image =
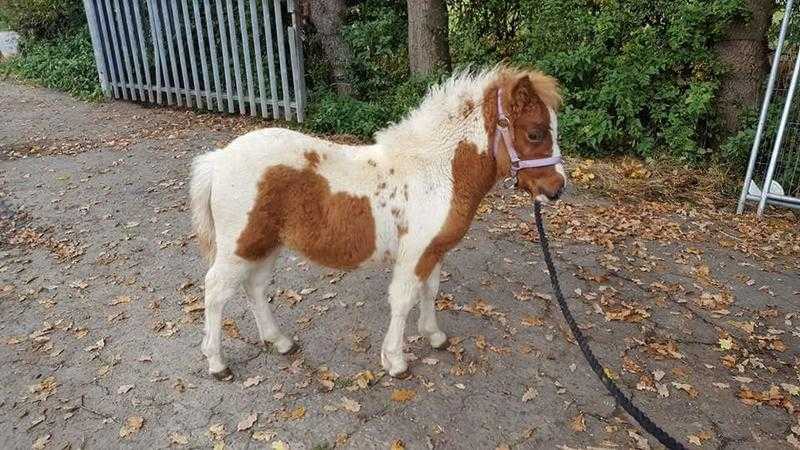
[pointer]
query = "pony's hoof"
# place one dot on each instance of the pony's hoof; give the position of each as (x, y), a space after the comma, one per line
(397, 369)
(223, 375)
(438, 340)
(286, 346)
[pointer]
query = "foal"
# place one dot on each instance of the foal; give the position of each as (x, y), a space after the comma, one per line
(405, 200)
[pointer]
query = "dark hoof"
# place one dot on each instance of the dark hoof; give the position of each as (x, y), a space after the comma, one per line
(404, 375)
(225, 375)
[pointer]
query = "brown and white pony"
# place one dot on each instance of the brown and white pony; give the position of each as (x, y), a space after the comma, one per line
(405, 200)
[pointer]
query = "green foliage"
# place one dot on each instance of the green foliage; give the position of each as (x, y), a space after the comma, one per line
(332, 113)
(376, 34)
(42, 19)
(66, 63)
(638, 77)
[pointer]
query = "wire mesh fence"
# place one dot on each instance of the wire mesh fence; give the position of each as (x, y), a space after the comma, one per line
(773, 175)
(234, 56)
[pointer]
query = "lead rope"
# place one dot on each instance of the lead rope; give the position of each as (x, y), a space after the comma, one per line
(662, 436)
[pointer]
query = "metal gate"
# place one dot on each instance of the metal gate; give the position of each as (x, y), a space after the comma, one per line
(230, 56)
(773, 172)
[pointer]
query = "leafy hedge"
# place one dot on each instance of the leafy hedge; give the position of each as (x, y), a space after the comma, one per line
(42, 19)
(65, 63)
(639, 77)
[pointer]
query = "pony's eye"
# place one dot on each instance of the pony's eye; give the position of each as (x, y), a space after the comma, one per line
(536, 136)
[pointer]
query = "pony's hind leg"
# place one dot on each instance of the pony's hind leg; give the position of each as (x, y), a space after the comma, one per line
(427, 324)
(256, 286)
(222, 282)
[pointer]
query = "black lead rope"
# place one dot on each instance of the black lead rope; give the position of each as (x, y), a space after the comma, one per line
(662, 436)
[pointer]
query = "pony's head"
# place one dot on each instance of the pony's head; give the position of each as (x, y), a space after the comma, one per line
(522, 105)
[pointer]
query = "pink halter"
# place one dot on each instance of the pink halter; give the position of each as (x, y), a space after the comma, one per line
(517, 164)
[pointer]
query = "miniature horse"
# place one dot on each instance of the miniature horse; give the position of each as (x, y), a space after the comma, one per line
(405, 200)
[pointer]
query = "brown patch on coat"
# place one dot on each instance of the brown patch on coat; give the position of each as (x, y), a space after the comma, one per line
(372, 163)
(474, 174)
(297, 209)
(391, 171)
(313, 159)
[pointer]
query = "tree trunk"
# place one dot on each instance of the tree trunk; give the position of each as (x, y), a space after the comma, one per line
(428, 49)
(744, 52)
(327, 17)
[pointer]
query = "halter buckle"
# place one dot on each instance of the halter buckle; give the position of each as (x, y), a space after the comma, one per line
(503, 122)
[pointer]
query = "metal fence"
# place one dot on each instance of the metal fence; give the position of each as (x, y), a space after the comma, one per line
(773, 172)
(230, 56)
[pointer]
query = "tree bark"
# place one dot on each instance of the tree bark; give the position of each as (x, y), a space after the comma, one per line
(428, 48)
(327, 17)
(744, 52)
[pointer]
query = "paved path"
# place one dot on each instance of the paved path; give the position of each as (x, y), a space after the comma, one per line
(102, 314)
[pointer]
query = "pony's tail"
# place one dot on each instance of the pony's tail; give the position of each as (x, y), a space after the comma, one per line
(200, 194)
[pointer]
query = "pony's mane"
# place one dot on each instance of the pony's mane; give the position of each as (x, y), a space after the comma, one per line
(439, 112)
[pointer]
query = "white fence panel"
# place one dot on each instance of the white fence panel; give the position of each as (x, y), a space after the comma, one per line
(217, 55)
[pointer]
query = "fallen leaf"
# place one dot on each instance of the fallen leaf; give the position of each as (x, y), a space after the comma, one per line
(41, 442)
(131, 426)
(529, 394)
(217, 431)
(397, 444)
(262, 435)
(403, 395)
(123, 389)
(351, 405)
(247, 422)
(297, 413)
(578, 423)
(179, 438)
(252, 381)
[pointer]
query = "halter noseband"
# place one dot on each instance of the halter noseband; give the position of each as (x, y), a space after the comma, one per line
(503, 131)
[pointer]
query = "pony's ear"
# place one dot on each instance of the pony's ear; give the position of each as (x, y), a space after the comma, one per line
(523, 94)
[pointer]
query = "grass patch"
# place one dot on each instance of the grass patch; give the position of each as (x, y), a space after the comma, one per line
(66, 64)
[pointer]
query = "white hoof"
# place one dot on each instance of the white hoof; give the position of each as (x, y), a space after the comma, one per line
(438, 340)
(284, 345)
(395, 365)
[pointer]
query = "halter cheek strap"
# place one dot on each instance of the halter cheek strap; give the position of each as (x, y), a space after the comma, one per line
(504, 133)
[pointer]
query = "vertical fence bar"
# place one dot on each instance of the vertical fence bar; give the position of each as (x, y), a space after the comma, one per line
(248, 65)
(225, 59)
(237, 71)
(262, 93)
(128, 21)
(273, 83)
(295, 52)
(198, 24)
(156, 51)
(179, 42)
(97, 46)
(143, 50)
(762, 121)
(212, 44)
(296, 74)
(115, 43)
(173, 64)
(776, 149)
(115, 90)
(282, 58)
(123, 40)
(161, 68)
(187, 22)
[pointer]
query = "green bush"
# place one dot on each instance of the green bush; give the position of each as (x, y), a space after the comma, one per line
(42, 19)
(66, 64)
(638, 77)
(332, 113)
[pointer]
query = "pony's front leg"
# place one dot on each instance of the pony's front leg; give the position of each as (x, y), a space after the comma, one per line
(403, 294)
(427, 324)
